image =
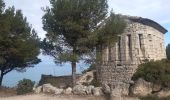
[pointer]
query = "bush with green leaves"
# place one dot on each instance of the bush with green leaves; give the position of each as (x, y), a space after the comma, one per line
(157, 72)
(25, 86)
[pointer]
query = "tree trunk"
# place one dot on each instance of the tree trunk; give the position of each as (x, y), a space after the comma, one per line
(1, 77)
(73, 74)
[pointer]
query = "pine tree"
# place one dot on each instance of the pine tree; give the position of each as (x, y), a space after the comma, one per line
(18, 42)
(68, 24)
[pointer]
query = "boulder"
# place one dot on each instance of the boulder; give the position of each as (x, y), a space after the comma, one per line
(38, 89)
(86, 78)
(156, 88)
(97, 91)
(89, 89)
(141, 88)
(164, 93)
(68, 91)
(48, 88)
(58, 91)
(106, 89)
(79, 90)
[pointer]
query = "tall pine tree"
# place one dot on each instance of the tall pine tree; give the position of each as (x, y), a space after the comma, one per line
(18, 42)
(68, 23)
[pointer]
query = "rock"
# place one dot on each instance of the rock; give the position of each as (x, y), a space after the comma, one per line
(116, 93)
(97, 91)
(106, 89)
(142, 88)
(79, 90)
(48, 88)
(58, 91)
(86, 78)
(38, 89)
(89, 89)
(164, 93)
(68, 91)
(156, 88)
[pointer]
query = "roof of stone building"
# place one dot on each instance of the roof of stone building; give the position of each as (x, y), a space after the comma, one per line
(148, 22)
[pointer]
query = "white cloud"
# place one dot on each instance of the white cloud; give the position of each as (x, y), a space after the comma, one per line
(157, 10)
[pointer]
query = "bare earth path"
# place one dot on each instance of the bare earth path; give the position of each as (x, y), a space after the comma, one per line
(49, 97)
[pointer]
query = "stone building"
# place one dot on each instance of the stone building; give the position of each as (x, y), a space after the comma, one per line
(142, 39)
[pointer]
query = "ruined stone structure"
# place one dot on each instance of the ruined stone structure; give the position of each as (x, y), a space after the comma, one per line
(142, 39)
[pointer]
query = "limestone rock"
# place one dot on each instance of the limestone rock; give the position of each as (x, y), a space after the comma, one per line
(58, 91)
(48, 88)
(97, 91)
(106, 89)
(79, 90)
(68, 91)
(38, 89)
(156, 88)
(142, 88)
(164, 93)
(89, 89)
(86, 78)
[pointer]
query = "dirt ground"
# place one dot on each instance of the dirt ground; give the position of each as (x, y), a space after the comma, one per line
(50, 97)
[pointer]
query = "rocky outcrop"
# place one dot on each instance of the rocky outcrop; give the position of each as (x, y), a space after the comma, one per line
(79, 90)
(86, 78)
(89, 90)
(142, 88)
(48, 88)
(106, 89)
(164, 93)
(97, 91)
(68, 91)
(38, 89)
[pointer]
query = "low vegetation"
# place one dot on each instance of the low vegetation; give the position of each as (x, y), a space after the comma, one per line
(157, 72)
(25, 86)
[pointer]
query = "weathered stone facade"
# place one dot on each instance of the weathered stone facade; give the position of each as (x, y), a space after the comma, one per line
(142, 39)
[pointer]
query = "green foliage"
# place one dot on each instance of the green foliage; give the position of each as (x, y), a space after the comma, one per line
(18, 41)
(112, 28)
(157, 72)
(168, 51)
(69, 24)
(25, 86)
(153, 97)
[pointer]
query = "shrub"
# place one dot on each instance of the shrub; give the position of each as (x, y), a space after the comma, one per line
(25, 86)
(157, 72)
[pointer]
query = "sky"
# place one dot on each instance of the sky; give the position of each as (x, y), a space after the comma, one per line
(157, 10)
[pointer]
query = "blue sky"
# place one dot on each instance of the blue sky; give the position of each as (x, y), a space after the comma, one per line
(157, 10)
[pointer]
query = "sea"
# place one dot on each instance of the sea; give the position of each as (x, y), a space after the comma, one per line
(46, 67)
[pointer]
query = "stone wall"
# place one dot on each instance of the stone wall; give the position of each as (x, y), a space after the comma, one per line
(118, 77)
(57, 81)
